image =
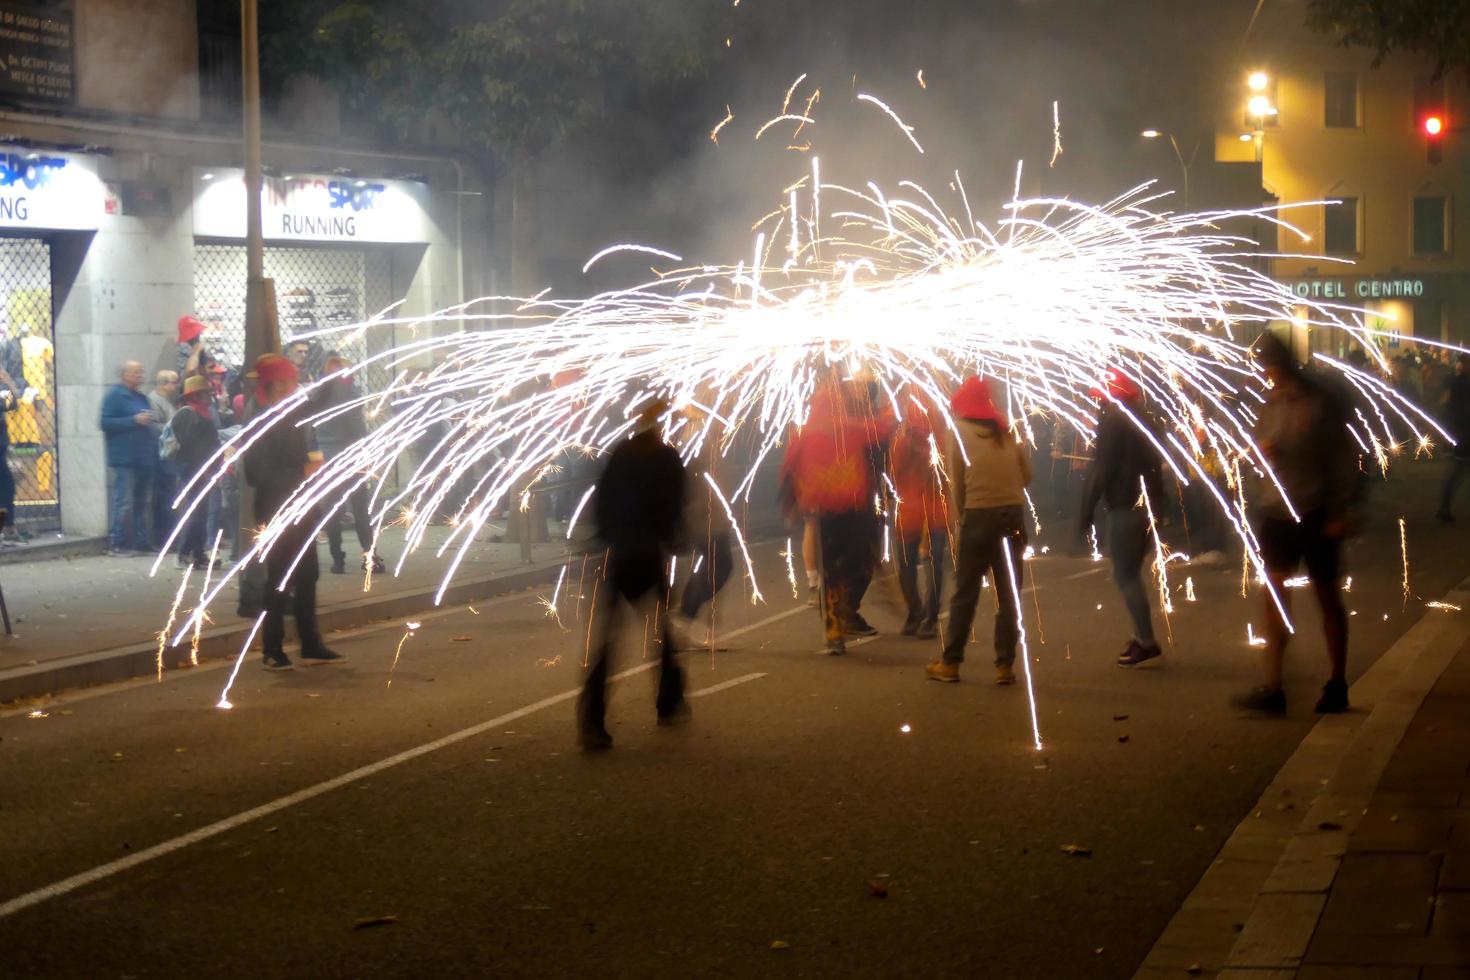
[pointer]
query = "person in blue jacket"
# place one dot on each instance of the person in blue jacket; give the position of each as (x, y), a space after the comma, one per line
(132, 457)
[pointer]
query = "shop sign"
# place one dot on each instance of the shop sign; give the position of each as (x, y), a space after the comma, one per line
(313, 208)
(1359, 288)
(36, 54)
(53, 191)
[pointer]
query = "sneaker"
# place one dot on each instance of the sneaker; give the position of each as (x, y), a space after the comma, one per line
(1445, 516)
(944, 672)
(676, 715)
(811, 597)
(1005, 675)
(926, 631)
(1137, 653)
(836, 648)
(594, 739)
(1264, 700)
(118, 553)
(377, 564)
(277, 661)
(183, 563)
(858, 626)
(1334, 699)
(322, 655)
(339, 566)
(910, 627)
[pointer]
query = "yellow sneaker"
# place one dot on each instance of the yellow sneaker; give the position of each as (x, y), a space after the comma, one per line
(941, 671)
(1004, 675)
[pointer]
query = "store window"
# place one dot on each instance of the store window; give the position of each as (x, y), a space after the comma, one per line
(1430, 227)
(28, 385)
(1340, 226)
(1341, 90)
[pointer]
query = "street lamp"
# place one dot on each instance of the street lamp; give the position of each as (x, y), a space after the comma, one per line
(1258, 81)
(1258, 109)
(1153, 134)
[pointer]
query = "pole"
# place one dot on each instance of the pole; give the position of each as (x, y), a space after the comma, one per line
(1182, 166)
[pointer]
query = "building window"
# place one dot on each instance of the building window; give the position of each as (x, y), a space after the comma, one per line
(1340, 224)
(1430, 226)
(1342, 100)
(220, 72)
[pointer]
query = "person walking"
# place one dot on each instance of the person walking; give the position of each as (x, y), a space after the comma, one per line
(1457, 423)
(988, 470)
(161, 401)
(922, 521)
(827, 473)
(1303, 434)
(709, 531)
(637, 507)
(1124, 464)
(128, 428)
(276, 464)
(334, 436)
(196, 427)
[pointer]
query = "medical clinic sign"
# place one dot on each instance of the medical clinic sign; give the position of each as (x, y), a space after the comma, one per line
(49, 191)
(313, 208)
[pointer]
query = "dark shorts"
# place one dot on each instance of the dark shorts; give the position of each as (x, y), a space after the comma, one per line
(1286, 544)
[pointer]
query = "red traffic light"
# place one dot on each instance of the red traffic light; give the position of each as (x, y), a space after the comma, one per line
(1433, 125)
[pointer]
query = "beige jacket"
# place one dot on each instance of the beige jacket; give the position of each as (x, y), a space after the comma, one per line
(996, 475)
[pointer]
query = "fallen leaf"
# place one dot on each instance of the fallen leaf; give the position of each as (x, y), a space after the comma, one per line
(1077, 850)
(460, 639)
(780, 944)
(373, 921)
(117, 757)
(877, 889)
(1120, 717)
(313, 695)
(1195, 969)
(1123, 738)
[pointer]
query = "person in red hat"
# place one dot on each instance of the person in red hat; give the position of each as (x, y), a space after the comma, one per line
(193, 358)
(922, 520)
(988, 470)
(1124, 464)
(276, 465)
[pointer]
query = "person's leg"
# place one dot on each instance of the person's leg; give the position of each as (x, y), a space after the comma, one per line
(273, 629)
(303, 587)
(1001, 543)
(1277, 635)
(968, 576)
(334, 537)
(809, 552)
(361, 523)
(1451, 483)
(908, 561)
(7, 488)
(833, 540)
(1128, 546)
(669, 702)
(117, 507)
(938, 556)
(592, 703)
(141, 506)
(1324, 566)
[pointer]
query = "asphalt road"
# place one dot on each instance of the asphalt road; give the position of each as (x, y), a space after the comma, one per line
(794, 827)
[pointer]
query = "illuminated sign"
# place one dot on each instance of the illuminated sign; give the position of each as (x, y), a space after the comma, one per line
(1358, 289)
(49, 191)
(313, 208)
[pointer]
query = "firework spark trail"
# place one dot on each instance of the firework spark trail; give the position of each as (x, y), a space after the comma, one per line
(1161, 559)
(1005, 548)
(409, 629)
(791, 569)
(173, 613)
(1404, 552)
(224, 696)
(204, 591)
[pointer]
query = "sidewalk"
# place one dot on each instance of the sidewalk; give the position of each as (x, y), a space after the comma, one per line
(1355, 863)
(94, 619)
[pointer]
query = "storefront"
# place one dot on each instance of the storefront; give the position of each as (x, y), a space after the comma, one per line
(340, 250)
(1427, 306)
(43, 194)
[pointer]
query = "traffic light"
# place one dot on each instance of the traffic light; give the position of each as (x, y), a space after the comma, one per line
(1433, 126)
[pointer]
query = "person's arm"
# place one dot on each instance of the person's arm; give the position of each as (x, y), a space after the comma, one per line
(117, 414)
(1023, 456)
(1098, 472)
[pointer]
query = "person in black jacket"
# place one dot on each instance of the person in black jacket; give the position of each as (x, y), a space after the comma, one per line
(1457, 422)
(276, 464)
(638, 506)
(1124, 465)
(197, 431)
(334, 436)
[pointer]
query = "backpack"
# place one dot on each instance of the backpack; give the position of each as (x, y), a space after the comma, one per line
(168, 441)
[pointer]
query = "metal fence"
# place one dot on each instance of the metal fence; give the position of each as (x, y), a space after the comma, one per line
(28, 358)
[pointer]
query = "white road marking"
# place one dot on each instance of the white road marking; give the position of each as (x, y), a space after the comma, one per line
(724, 685)
(112, 868)
(1090, 571)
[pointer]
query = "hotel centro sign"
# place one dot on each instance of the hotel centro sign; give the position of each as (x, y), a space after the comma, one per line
(312, 208)
(1355, 289)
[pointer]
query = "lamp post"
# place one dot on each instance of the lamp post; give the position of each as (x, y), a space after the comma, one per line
(261, 332)
(1258, 108)
(1153, 134)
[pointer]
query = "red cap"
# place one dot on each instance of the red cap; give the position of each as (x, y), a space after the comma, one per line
(972, 400)
(189, 328)
(1119, 386)
(270, 368)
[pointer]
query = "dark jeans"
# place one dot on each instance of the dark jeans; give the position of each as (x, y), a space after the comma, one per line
(706, 583)
(1206, 522)
(195, 542)
(923, 609)
(846, 547)
(165, 486)
(1458, 468)
(631, 577)
(1128, 544)
(7, 487)
(127, 507)
(299, 593)
(983, 533)
(357, 504)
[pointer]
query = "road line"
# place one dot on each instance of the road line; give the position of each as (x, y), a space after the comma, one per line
(724, 685)
(112, 868)
(1090, 571)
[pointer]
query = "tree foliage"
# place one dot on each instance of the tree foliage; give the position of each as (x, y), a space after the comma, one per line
(1436, 29)
(511, 76)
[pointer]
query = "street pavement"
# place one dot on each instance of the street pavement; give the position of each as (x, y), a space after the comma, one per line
(422, 809)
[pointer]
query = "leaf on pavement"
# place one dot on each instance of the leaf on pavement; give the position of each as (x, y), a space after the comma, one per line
(373, 921)
(780, 944)
(1077, 850)
(877, 889)
(460, 639)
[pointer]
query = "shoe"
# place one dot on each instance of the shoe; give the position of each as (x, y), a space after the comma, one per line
(1005, 675)
(377, 563)
(836, 648)
(1265, 700)
(941, 671)
(322, 655)
(926, 631)
(183, 563)
(811, 597)
(676, 715)
(858, 626)
(118, 553)
(1334, 699)
(594, 739)
(339, 566)
(1137, 653)
(277, 661)
(1211, 558)
(1445, 516)
(910, 627)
